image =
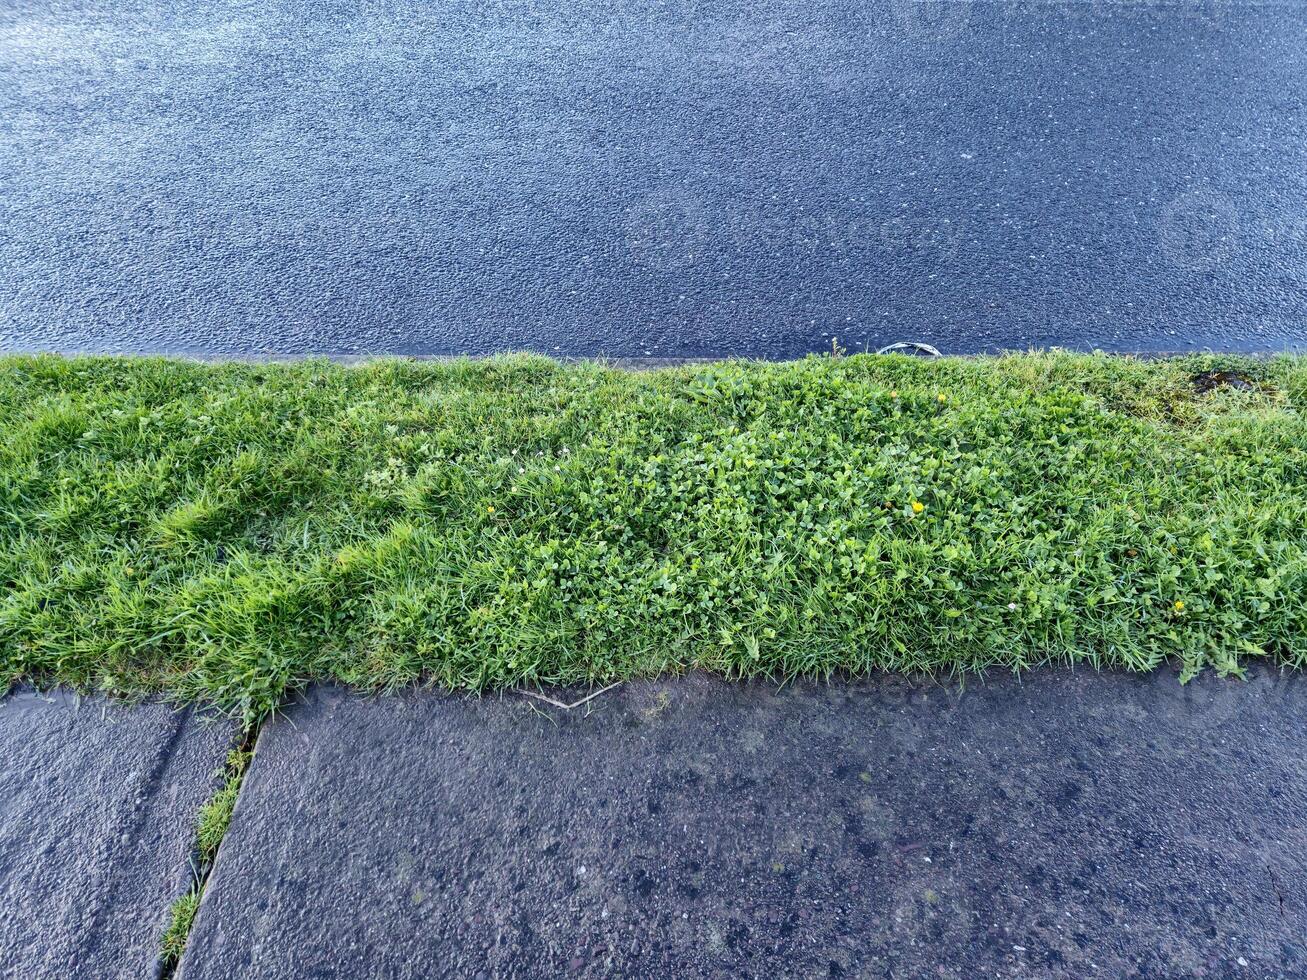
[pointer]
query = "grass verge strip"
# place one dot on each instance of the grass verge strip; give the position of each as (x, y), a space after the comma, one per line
(228, 532)
(210, 828)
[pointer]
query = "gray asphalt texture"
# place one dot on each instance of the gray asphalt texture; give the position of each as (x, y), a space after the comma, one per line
(97, 824)
(1067, 825)
(686, 178)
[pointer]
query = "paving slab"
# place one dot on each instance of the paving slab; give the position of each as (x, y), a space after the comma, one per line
(97, 822)
(1067, 825)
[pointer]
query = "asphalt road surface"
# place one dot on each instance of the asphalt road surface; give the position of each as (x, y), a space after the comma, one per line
(683, 178)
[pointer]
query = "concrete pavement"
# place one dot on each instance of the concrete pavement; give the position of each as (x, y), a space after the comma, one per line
(1068, 825)
(97, 822)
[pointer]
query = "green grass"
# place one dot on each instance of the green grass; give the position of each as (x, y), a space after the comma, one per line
(215, 815)
(227, 532)
(210, 828)
(173, 943)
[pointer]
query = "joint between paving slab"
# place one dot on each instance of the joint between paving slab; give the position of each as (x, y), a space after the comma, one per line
(204, 854)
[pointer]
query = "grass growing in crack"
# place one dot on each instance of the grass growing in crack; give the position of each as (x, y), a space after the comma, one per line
(179, 927)
(210, 828)
(215, 816)
(228, 532)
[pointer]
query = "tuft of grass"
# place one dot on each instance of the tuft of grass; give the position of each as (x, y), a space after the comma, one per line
(179, 927)
(215, 815)
(210, 828)
(228, 532)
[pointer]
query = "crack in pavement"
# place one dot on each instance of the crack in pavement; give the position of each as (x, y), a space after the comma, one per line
(202, 864)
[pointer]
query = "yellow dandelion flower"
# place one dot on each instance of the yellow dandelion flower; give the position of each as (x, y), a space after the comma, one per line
(917, 506)
(942, 397)
(1179, 605)
(490, 510)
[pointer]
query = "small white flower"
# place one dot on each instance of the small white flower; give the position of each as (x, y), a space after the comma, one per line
(1011, 605)
(558, 469)
(521, 469)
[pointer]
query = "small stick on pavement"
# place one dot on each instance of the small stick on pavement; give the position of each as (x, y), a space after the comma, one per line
(560, 704)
